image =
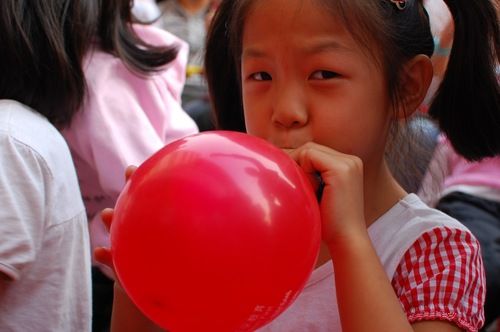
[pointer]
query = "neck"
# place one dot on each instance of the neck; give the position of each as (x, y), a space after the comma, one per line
(381, 192)
(193, 6)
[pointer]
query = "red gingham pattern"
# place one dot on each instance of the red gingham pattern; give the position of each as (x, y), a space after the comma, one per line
(441, 277)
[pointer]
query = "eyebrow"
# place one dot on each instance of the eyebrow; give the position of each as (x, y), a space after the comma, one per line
(322, 46)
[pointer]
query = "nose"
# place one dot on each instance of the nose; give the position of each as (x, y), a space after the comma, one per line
(289, 107)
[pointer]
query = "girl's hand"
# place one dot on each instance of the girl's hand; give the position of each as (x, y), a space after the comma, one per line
(126, 316)
(342, 202)
(103, 254)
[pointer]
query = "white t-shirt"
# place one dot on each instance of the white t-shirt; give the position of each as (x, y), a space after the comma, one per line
(44, 244)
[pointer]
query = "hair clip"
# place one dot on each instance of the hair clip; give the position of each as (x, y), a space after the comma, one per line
(401, 4)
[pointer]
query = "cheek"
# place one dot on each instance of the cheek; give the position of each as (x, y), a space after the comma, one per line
(251, 118)
(253, 123)
(255, 115)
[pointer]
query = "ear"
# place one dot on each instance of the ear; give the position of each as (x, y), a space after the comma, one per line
(416, 78)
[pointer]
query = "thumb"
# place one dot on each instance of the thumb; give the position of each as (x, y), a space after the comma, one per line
(103, 256)
(107, 217)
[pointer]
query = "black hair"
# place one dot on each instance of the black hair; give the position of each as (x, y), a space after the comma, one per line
(38, 67)
(222, 70)
(115, 35)
(399, 35)
(44, 44)
(467, 103)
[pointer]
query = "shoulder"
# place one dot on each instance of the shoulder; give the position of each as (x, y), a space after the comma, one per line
(111, 87)
(158, 37)
(394, 232)
(441, 277)
(26, 129)
(98, 61)
(36, 165)
(421, 218)
(108, 77)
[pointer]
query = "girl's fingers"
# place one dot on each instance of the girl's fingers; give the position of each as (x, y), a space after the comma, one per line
(107, 214)
(103, 256)
(107, 217)
(129, 171)
(313, 158)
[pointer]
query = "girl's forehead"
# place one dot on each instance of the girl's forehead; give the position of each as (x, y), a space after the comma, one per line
(300, 15)
(291, 8)
(286, 20)
(305, 20)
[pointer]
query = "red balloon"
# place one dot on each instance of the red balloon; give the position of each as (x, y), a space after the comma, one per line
(218, 231)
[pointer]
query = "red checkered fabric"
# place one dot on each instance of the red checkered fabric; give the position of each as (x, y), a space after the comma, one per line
(441, 277)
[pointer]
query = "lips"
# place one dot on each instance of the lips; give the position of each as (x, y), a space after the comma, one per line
(286, 144)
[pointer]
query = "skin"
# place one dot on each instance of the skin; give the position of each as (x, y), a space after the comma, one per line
(308, 88)
(193, 6)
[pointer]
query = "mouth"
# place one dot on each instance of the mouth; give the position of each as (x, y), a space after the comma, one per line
(286, 142)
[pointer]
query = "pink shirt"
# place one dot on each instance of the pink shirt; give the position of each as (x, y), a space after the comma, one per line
(463, 172)
(449, 172)
(125, 119)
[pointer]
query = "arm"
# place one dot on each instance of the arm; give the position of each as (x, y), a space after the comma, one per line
(370, 304)
(441, 277)
(22, 197)
(366, 299)
(127, 317)
(427, 326)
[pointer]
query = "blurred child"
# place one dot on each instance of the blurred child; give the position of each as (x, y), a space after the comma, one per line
(442, 30)
(45, 282)
(134, 78)
(188, 20)
(328, 81)
(470, 192)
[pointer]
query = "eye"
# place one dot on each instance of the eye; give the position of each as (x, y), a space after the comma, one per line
(261, 76)
(323, 75)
